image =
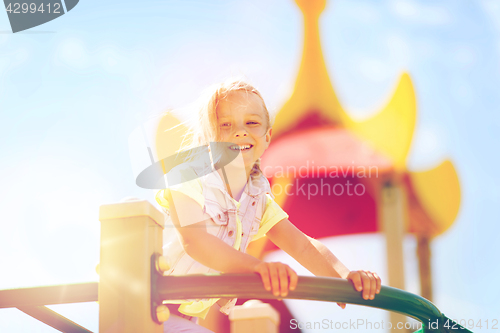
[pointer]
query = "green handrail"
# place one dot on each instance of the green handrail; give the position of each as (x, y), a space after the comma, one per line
(245, 286)
(308, 288)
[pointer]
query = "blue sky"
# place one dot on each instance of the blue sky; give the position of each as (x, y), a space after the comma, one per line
(73, 90)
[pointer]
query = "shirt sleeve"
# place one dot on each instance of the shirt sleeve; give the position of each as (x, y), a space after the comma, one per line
(272, 215)
(184, 181)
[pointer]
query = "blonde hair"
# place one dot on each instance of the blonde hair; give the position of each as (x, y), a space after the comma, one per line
(206, 129)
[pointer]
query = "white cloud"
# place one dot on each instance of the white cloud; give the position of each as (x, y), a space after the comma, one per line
(463, 91)
(424, 49)
(72, 52)
(420, 13)
(428, 148)
(374, 69)
(399, 50)
(492, 10)
(464, 55)
(3, 38)
(366, 12)
(111, 59)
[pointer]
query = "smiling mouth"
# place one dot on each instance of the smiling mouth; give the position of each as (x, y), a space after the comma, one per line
(240, 148)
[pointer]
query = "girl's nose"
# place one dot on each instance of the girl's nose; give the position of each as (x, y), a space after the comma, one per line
(240, 131)
(239, 134)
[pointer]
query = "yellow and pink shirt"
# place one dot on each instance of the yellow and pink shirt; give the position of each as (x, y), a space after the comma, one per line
(237, 223)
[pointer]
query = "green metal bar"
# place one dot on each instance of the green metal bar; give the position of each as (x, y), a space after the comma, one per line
(308, 288)
(53, 319)
(242, 286)
(68, 293)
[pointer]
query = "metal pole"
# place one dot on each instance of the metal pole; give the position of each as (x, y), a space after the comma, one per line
(310, 288)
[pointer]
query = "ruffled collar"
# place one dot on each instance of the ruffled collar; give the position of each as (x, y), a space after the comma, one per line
(256, 185)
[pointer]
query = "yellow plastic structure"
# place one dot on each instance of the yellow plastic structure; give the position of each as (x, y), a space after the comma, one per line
(313, 91)
(389, 132)
(439, 193)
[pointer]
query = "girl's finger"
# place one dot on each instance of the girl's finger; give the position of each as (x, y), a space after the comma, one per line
(366, 285)
(293, 278)
(355, 278)
(373, 285)
(283, 276)
(342, 305)
(264, 275)
(379, 282)
(275, 283)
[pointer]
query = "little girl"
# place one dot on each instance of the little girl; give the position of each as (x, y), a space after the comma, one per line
(223, 203)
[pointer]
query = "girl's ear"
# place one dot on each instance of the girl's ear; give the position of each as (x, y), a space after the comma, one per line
(268, 135)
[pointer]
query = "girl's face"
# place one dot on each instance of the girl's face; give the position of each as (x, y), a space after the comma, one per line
(242, 120)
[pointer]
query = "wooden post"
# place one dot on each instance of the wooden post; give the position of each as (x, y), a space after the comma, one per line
(393, 224)
(254, 317)
(424, 263)
(131, 232)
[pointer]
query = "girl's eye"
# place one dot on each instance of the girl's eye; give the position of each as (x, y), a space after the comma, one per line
(225, 125)
(252, 123)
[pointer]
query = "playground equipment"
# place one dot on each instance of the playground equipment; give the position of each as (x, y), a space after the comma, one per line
(132, 286)
(370, 154)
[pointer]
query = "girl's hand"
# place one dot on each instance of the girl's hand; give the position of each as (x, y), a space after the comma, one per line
(277, 277)
(365, 281)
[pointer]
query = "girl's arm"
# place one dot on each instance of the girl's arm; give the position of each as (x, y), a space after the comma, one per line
(316, 257)
(216, 254)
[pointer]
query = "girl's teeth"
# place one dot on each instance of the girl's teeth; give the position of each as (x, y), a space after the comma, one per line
(235, 147)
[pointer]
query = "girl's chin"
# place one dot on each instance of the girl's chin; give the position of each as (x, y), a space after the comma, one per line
(248, 163)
